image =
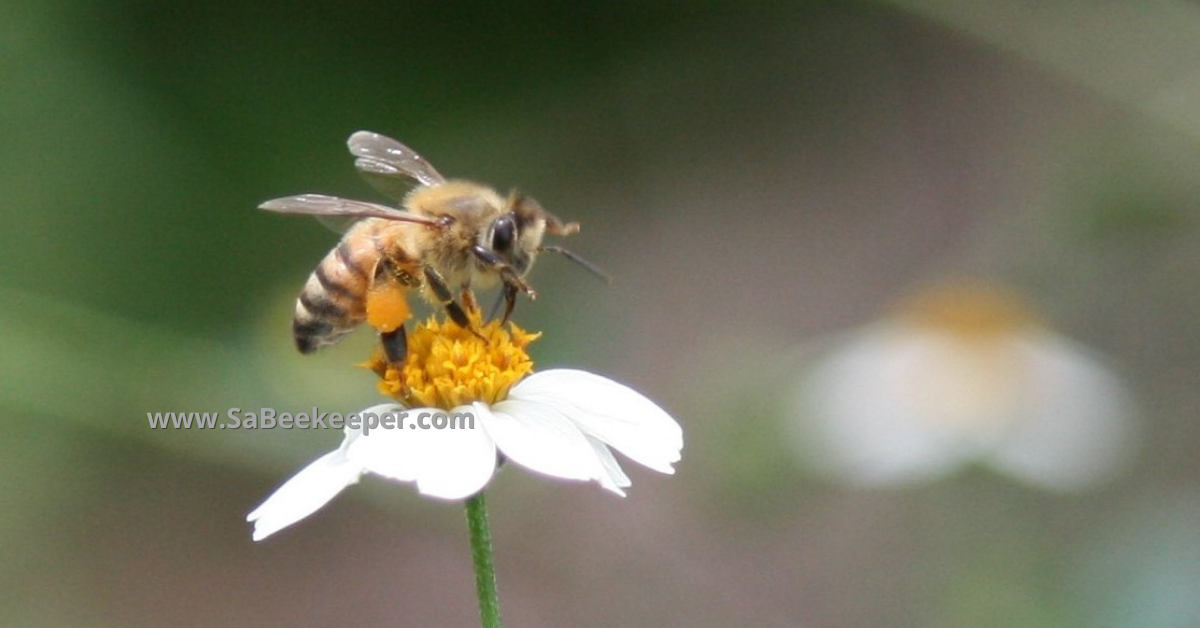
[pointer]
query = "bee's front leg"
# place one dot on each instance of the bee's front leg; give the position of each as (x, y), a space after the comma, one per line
(510, 301)
(510, 275)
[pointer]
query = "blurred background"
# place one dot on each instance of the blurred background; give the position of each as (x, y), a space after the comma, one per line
(759, 177)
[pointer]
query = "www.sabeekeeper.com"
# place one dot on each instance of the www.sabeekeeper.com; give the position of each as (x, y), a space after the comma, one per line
(268, 418)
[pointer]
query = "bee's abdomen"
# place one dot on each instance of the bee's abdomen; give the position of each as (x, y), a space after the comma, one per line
(332, 302)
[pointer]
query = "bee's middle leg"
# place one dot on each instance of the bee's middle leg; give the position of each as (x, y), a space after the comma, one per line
(468, 300)
(446, 298)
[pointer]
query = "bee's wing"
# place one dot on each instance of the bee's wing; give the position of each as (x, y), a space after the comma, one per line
(389, 165)
(322, 205)
(337, 224)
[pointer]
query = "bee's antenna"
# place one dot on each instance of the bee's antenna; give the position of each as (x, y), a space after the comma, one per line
(588, 266)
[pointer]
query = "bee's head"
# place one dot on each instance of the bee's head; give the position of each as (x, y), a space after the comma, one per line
(516, 235)
(504, 237)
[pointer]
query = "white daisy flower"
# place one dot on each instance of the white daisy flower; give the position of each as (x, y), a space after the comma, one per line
(559, 423)
(964, 373)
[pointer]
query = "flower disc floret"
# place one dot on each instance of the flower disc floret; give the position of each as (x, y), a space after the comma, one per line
(449, 366)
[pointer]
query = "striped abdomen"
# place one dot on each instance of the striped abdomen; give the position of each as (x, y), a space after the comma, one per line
(332, 303)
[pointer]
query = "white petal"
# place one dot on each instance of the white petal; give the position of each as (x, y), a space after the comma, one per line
(311, 488)
(610, 412)
(541, 439)
(617, 479)
(445, 463)
(386, 452)
(879, 410)
(1074, 427)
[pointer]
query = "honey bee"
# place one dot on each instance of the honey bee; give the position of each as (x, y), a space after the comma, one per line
(450, 235)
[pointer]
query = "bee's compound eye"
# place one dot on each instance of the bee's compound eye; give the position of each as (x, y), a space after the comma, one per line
(504, 233)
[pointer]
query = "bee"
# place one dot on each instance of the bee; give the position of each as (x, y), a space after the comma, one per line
(448, 236)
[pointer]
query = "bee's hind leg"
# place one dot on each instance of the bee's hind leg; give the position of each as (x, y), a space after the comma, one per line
(395, 345)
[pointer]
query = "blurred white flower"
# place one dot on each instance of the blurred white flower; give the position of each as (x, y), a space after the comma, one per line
(559, 422)
(964, 373)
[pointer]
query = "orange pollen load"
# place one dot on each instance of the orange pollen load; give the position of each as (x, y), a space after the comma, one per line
(387, 306)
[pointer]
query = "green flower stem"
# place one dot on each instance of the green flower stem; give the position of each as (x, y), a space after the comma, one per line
(485, 569)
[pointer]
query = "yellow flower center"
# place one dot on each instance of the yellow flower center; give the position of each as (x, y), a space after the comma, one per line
(449, 366)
